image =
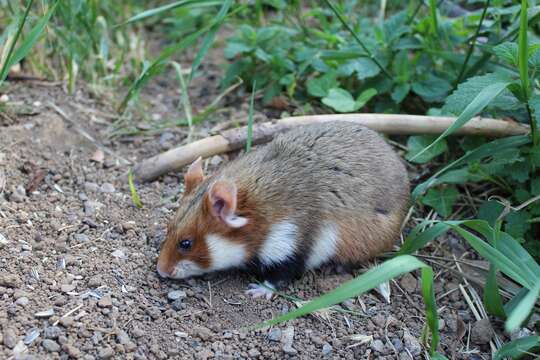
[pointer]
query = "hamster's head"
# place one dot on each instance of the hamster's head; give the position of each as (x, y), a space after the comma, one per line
(205, 233)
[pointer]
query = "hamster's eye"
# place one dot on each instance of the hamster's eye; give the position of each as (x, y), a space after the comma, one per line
(184, 245)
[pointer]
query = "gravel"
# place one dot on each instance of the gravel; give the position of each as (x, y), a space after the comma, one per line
(50, 345)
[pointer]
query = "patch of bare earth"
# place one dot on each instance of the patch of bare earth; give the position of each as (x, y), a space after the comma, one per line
(77, 259)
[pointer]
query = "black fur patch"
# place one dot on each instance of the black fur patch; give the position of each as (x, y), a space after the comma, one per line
(281, 272)
(381, 211)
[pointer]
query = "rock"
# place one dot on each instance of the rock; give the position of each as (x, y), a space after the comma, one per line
(22, 301)
(107, 188)
(379, 320)
(10, 338)
(137, 333)
(176, 294)
(90, 187)
(327, 349)
(274, 334)
(122, 337)
(378, 346)
(66, 321)
(202, 333)
(287, 338)
(44, 314)
(3, 240)
(67, 288)
(81, 237)
(411, 343)
(52, 332)
(31, 335)
(253, 353)
(10, 280)
(204, 354)
(105, 302)
(119, 254)
(481, 332)
(106, 353)
(90, 207)
(128, 225)
(166, 140)
(50, 345)
(95, 281)
(18, 194)
(408, 283)
(19, 350)
(72, 351)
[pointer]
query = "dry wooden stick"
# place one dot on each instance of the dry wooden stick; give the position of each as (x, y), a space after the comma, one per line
(234, 139)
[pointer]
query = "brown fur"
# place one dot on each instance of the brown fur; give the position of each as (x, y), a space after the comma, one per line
(339, 172)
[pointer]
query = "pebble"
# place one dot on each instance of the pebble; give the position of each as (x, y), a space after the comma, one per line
(202, 332)
(378, 346)
(481, 332)
(204, 354)
(176, 294)
(379, 320)
(90, 207)
(107, 188)
(32, 335)
(408, 282)
(44, 314)
(3, 240)
(50, 345)
(22, 301)
(81, 237)
(10, 338)
(18, 194)
(274, 334)
(19, 350)
(72, 351)
(94, 281)
(67, 288)
(106, 353)
(119, 254)
(287, 338)
(411, 343)
(123, 337)
(327, 349)
(10, 280)
(4, 98)
(67, 321)
(253, 353)
(105, 302)
(90, 187)
(52, 332)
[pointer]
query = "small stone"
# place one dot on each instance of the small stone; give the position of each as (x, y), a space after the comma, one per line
(202, 332)
(119, 254)
(18, 195)
(379, 320)
(22, 301)
(204, 354)
(19, 350)
(481, 332)
(10, 280)
(137, 333)
(50, 345)
(10, 338)
(122, 337)
(90, 187)
(81, 237)
(130, 346)
(274, 334)
(378, 346)
(326, 349)
(44, 314)
(94, 281)
(176, 294)
(107, 188)
(408, 282)
(72, 351)
(287, 338)
(3, 240)
(253, 353)
(18, 293)
(67, 288)
(4, 98)
(411, 343)
(52, 332)
(31, 335)
(105, 353)
(67, 321)
(105, 302)
(90, 207)
(128, 225)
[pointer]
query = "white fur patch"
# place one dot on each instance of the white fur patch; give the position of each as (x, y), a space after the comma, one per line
(185, 269)
(280, 243)
(224, 254)
(324, 246)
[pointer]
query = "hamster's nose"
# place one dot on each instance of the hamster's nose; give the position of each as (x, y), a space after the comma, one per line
(162, 273)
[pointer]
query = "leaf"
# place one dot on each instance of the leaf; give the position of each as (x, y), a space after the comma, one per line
(476, 106)
(492, 298)
(522, 310)
(134, 196)
(517, 224)
(320, 86)
(342, 101)
(517, 348)
(535, 186)
(441, 200)
(432, 89)
(415, 144)
(364, 97)
(234, 48)
(419, 237)
(519, 171)
(508, 52)
(428, 293)
(400, 92)
(490, 211)
(365, 68)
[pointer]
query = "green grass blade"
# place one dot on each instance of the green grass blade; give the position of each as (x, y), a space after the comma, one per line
(165, 8)
(476, 106)
(417, 238)
(483, 151)
(523, 49)
(428, 293)
(517, 348)
(209, 38)
(367, 281)
(492, 297)
(433, 15)
(518, 315)
(184, 98)
(134, 196)
(250, 118)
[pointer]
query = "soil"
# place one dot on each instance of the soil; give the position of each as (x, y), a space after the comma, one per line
(77, 258)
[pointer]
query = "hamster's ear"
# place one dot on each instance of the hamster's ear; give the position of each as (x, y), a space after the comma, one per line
(222, 203)
(194, 175)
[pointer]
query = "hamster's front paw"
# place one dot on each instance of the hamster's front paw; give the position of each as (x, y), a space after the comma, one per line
(266, 290)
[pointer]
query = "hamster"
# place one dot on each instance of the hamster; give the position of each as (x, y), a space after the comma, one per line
(318, 193)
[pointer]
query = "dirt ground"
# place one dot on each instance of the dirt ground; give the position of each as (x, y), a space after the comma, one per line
(77, 258)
